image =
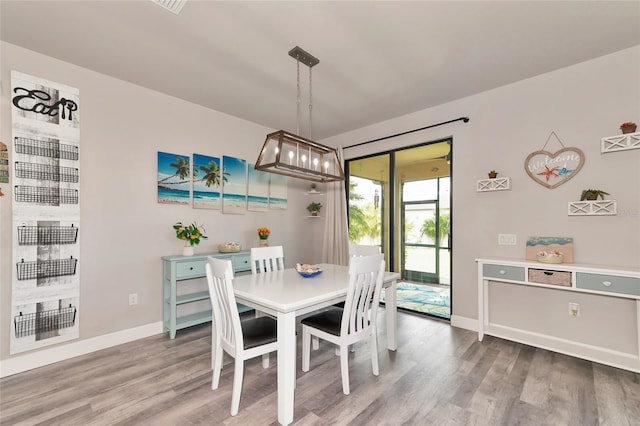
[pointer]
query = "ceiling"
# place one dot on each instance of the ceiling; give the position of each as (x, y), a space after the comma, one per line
(378, 60)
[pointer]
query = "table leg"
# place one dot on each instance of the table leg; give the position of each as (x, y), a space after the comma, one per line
(391, 309)
(286, 366)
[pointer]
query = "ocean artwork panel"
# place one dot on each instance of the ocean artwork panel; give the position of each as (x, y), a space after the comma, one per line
(174, 178)
(257, 190)
(278, 192)
(234, 189)
(207, 182)
(563, 245)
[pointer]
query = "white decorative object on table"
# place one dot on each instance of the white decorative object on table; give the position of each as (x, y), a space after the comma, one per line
(229, 247)
(553, 256)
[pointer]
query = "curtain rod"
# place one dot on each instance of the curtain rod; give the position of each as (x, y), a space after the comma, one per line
(464, 119)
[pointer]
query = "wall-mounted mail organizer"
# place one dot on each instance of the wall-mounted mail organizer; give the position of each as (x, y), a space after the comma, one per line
(46, 172)
(47, 235)
(43, 195)
(45, 148)
(46, 268)
(45, 321)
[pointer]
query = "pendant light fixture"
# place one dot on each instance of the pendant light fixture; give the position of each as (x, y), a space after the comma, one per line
(292, 155)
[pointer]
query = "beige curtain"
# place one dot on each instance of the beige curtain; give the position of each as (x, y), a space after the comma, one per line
(335, 246)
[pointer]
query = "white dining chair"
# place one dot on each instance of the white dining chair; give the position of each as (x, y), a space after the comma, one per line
(242, 340)
(363, 250)
(270, 258)
(353, 323)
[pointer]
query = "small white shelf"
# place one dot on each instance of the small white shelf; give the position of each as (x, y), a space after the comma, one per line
(314, 217)
(593, 208)
(620, 142)
(497, 184)
(313, 193)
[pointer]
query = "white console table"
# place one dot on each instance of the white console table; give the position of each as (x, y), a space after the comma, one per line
(602, 282)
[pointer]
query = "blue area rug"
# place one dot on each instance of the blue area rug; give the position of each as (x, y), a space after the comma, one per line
(424, 298)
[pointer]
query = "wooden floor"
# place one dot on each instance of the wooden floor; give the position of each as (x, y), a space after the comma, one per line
(440, 375)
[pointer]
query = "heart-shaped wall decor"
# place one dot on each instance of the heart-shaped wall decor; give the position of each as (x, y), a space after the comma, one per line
(553, 169)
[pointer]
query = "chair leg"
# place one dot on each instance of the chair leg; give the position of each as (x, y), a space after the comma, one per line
(237, 385)
(344, 369)
(216, 361)
(265, 361)
(306, 350)
(374, 355)
(316, 342)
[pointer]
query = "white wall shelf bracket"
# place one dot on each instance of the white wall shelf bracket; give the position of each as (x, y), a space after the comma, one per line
(620, 142)
(593, 208)
(497, 184)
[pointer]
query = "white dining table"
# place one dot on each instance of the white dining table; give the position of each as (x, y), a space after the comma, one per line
(286, 295)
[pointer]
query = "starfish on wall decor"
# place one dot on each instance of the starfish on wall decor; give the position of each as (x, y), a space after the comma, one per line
(564, 172)
(548, 172)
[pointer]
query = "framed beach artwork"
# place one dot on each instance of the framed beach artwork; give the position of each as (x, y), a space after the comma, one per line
(257, 190)
(563, 245)
(174, 178)
(278, 192)
(207, 182)
(234, 189)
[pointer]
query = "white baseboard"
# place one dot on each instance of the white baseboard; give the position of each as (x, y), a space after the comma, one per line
(464, 322)
(29, 361)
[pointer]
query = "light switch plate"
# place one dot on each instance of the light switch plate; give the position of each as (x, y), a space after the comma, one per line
(507, 239)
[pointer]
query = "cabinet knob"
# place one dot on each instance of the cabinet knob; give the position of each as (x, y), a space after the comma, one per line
(191, 268)
(502, 272)
(606, 283)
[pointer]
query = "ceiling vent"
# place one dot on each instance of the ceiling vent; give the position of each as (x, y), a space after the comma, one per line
(174, 6)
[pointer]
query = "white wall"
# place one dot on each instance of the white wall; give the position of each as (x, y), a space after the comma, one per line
(582, 104)
(124, 231)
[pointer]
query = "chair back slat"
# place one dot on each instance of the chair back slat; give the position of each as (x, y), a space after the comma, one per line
(366, 274)
(226, 318)
(267, 259)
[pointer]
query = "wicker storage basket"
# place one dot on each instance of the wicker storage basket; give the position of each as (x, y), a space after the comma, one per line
(546, 276)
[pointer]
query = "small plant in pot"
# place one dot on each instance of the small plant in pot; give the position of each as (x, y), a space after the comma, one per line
(314, 208)
(592, 194)
(493, 174)
(628, 127)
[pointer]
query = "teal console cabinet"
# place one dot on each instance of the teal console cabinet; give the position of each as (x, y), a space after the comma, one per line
(178, 269)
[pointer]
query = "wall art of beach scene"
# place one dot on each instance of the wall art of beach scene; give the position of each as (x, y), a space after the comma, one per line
(234, 189)
(278, 192)
(174, 178)
(561, 244)
(257, 190)
(207, 182)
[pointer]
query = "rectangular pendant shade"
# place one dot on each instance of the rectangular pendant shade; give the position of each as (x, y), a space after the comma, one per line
(291, 155)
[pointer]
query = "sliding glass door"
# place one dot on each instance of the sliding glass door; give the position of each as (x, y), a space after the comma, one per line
(400, 200)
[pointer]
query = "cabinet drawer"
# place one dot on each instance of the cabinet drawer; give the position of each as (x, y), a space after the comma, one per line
(513, 273)
(190, 269)
(547, 276)
(241, 262)
(608, 283)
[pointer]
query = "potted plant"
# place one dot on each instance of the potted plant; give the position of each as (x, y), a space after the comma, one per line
(592, 194)
(314, 208)
(190, 234)
(493, 174)
(628, 127)
(263, 235)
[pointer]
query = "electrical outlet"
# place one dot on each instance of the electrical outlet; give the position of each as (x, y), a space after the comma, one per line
(133, 299)
(507, 239)
(574, 309)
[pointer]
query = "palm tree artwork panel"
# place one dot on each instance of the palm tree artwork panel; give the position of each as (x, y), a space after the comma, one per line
(208, 179)
(174, 178)
(234, 188)
(257, 190)
(278, 195)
